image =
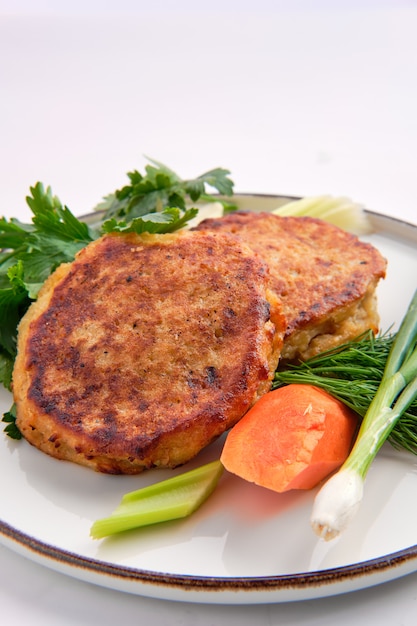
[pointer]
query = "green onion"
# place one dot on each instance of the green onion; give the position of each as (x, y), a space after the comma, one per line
(339, 499)
(170, 499)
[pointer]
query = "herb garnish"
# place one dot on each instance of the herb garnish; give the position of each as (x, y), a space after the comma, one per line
(160, 188)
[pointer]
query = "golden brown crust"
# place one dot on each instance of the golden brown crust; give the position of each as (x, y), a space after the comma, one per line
(145, 349)
(324, 276)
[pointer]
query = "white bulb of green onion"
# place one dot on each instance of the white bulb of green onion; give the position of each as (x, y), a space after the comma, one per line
(344, 490)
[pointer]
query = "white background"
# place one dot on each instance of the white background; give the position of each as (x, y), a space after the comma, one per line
(298, 98)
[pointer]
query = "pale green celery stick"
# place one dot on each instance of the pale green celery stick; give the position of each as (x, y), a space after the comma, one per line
(170, 499)
(340, 211)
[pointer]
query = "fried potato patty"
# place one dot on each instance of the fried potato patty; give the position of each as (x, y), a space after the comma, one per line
(324, 277)
(145, 349)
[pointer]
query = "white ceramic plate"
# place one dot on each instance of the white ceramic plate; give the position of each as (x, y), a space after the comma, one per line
(245, 544)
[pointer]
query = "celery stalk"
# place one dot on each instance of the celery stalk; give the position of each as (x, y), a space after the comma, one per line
(170, 499)
(339, 211)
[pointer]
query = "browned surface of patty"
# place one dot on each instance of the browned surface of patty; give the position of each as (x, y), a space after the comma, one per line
(145, 349)
(324, 277)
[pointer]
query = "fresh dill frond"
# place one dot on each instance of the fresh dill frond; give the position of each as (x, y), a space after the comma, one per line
(352, 373)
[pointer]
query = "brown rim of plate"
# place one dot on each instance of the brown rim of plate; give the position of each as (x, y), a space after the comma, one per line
(183, 582)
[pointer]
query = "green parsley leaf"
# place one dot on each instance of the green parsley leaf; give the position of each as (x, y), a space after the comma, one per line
(54, 237)
(166, 221)
(217, 178)
(30, 253)
(13, 304)
(52, 218)
(161, 188)
(10, 419)
(6, 369)
(13, 233)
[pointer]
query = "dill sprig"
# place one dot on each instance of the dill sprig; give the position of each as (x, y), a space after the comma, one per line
(352, 373)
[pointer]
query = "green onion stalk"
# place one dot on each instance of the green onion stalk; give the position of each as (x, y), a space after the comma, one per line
(339, 499)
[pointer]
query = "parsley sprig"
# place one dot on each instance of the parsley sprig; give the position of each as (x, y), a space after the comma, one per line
(160, 187)
(166, 221)
(29, 253)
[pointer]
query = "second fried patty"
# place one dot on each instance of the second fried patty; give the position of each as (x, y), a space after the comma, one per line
(145, 349)
(325, 277)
